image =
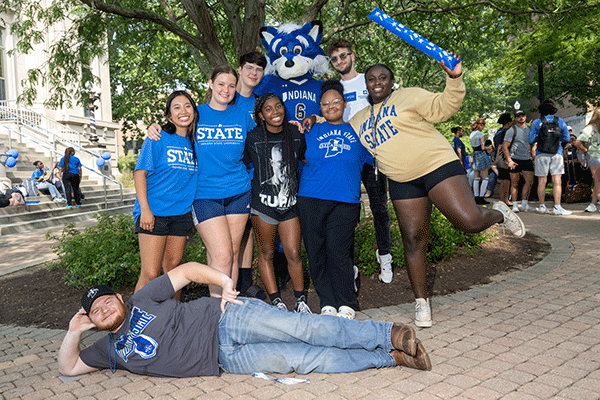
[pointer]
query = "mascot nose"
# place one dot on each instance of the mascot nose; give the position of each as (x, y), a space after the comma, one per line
(289, 63)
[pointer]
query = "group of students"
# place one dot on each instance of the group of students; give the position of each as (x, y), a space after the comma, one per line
(215, 164)
(65, 176)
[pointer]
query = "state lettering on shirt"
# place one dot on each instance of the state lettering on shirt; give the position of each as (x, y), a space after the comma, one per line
(180, 158)
(221, 132)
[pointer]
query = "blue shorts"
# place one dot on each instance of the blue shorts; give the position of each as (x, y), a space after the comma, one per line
(176, 225)
(205, 209)
(420, 187)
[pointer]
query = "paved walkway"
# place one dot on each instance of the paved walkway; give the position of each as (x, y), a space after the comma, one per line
(533, 335)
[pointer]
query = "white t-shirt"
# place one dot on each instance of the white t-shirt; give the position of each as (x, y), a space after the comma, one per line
(355, 92)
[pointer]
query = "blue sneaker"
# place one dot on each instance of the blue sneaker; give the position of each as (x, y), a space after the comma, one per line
(69, 207)
(78, 205)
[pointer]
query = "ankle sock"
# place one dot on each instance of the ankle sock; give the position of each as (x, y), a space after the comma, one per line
(298, 294)
(275, 295)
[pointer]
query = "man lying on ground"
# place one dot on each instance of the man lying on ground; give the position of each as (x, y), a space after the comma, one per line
(154, 334)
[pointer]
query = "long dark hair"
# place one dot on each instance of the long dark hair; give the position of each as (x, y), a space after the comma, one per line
(289, 157)
(69, 151)
(170, 128)
(221, 69)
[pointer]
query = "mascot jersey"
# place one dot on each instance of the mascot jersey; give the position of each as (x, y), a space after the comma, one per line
(172, 175)
(301, 98)
(221, 136)
(161, 336)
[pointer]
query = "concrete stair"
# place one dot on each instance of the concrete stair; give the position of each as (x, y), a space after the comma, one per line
(47, 214)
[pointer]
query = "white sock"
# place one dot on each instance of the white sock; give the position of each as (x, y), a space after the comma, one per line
(476, 183)
(524, 203)
(483, 189)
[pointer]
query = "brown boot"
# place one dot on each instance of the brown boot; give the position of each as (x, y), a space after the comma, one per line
(404, 339)
(420, 361)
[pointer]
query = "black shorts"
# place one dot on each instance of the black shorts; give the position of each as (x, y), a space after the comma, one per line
(523, 165)
(177, 225)
(420, 187)
(503, 173)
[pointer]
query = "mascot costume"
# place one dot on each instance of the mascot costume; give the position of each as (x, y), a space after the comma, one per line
(294, 57)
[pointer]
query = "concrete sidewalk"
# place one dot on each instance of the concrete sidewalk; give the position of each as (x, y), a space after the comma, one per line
(533, 335)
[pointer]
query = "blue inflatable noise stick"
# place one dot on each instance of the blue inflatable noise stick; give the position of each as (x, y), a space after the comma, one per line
(414, 39)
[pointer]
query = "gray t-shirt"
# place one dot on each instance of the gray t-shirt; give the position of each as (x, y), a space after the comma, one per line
(161, 336)
(520, 147)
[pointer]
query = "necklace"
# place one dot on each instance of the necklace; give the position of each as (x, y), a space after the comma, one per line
(374, 132)
(113, 363)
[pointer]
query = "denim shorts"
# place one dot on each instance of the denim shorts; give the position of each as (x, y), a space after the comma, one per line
(176, 225)
(205, 209)
(420, 187)
(549, 163)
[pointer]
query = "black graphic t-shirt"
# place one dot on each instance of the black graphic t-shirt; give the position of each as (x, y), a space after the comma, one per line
(272, 193)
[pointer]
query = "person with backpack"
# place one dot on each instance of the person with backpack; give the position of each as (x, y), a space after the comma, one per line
(518, 154)
(547, 134)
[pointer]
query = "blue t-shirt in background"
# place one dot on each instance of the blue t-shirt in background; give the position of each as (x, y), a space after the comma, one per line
(37, 174)
(221, 137)
(245, 103)
(537, 124)
(74, 164)
(172, 175)
(335, 159)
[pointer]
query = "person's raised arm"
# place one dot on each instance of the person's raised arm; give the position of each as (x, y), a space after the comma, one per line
(457, 71)
(69, 362)
(200, 273)
(154, 131)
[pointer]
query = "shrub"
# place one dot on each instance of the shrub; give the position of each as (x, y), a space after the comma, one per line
(445, 241)
(127, 163)
(107, 253)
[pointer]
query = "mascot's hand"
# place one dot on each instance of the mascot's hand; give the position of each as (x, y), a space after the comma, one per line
(457, 68)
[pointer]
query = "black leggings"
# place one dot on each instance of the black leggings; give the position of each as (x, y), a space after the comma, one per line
(71, 183)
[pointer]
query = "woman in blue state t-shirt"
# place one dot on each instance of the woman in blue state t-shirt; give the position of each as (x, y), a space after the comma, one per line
(165, 179)
(222, 201)
(70, 166)
(329, 203)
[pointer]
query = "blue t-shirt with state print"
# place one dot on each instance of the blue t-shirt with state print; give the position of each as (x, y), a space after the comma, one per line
(300, 99)
(74, 164)
(335, 159)
(172, 175)
(221, 137)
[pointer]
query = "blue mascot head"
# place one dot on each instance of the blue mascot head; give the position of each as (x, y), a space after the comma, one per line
(293, 51)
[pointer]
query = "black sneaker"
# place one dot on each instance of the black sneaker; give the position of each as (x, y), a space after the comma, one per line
(301, 306)
(277, 302)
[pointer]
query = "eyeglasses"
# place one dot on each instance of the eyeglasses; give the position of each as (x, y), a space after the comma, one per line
(250, 68)
(333, 102)
(341, 56)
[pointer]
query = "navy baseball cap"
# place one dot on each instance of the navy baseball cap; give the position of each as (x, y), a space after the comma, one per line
(92, 294)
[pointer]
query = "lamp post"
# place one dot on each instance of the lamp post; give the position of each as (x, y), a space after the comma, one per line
(94, 94)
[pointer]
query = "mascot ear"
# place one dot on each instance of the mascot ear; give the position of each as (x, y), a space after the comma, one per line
(267, 33)
(314, 30)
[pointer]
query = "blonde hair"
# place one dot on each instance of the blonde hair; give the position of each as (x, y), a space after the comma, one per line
(595, 118)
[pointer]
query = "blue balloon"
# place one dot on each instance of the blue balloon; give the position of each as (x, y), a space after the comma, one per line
(13, 153)
(10, 162)
(106, 155)
(100, 162)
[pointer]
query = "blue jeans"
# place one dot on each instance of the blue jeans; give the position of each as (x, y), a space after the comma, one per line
(53, 190)
(257, 337)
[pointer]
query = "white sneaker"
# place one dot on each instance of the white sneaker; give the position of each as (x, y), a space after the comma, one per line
(385, 263)
(346, 312)
(591, 208)
(511, 220)
(526, 207)
(515, 208)
(423, 313)
(329, 310)
(543, 209)
(559, 210)
(355, 268)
